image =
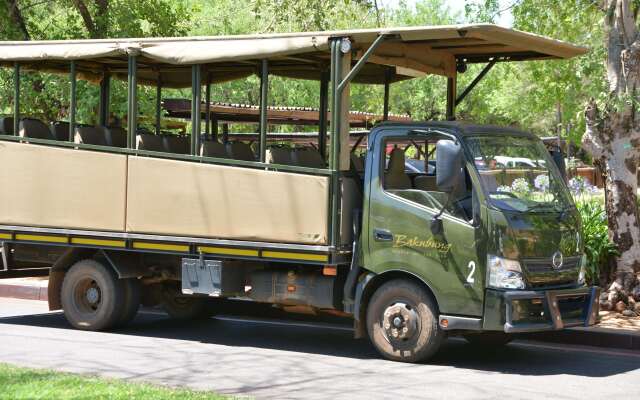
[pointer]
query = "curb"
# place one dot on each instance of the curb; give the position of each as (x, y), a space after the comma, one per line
(594, 336)
(598, 337)
(23, 291)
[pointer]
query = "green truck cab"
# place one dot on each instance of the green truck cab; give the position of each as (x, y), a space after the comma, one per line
(494, 249)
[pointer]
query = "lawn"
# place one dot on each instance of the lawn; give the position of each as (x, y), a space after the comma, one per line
(25, 383)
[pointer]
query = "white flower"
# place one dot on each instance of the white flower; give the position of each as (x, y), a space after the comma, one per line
(541, 183)
(520, 185)
(504, 188)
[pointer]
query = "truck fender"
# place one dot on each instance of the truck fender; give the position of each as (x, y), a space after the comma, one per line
(56, 274)
(126, 265)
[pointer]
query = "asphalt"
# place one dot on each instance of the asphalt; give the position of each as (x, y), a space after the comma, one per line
(295, 360)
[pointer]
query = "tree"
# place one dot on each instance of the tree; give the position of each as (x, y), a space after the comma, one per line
(613, 138)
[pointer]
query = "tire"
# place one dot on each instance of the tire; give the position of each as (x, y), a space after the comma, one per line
(132, 301)
(182, 307)
(417, 313)
(489, 339)
(92, 296)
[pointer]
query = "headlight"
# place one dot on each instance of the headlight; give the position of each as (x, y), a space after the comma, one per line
(504, 274)
(583, 270)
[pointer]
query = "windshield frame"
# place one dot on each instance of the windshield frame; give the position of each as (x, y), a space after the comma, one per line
(566, 201)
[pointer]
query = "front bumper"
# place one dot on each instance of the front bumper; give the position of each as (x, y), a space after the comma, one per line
(543, 310)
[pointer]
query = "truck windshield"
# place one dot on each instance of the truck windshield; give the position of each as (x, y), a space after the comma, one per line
(517, 174)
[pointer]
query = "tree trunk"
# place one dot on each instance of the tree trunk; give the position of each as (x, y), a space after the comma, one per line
(17, 19)
(613, 139)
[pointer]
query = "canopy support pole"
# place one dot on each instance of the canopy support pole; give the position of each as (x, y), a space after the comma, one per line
(158, 104)
(214, 128)
(225, 132)
(334, 160)
(105, 88)
(264, 91)
(451, 98)
(207, 116)
(72, 101)
(477, 80)
(16, 99)
(196, 112)
(324, 105)
(387, 87)
(132, 102)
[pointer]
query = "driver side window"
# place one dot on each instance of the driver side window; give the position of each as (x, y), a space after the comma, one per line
(409, 172)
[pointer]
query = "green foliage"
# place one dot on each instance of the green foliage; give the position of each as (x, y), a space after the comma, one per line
(25, 383)
(595, 232)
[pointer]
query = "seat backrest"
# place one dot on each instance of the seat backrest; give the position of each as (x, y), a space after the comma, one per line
(357, 163)
(279, 155)
(6, 126)
(213, 149)
(35, 129)
(90, 135)
(395, 177)
(177, 144)
(308, 157)
(150, 142)
(115, 136)
(426, 182)
(60, 130)
(240, 151)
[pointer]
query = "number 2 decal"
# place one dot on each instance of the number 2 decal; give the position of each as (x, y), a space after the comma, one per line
(472, 266)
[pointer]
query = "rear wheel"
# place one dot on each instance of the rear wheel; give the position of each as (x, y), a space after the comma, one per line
(491, 339)
(182, 307)
(132, 301)
(402, 322)
(92, 296)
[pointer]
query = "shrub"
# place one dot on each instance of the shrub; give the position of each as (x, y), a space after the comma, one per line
(597, 245)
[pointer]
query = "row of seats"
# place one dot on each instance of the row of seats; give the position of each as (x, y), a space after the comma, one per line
(117, 137)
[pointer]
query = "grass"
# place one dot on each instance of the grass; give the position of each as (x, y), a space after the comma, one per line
(26, 383)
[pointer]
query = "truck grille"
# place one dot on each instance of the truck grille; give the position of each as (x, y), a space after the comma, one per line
(542, 265)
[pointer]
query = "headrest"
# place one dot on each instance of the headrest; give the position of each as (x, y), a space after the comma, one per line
(396, 161)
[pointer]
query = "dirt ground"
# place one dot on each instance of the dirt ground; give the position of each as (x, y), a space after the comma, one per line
(614, 320)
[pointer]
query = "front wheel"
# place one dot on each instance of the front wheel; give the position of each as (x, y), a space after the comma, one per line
(402, 322)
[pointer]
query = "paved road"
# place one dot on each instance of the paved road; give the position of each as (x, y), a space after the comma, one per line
(295, 361)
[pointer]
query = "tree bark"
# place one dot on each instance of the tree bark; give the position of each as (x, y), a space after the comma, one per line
(86, 18)
(613, 139)
(17, 19)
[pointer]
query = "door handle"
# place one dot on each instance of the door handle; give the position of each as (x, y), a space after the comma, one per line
(382, 235)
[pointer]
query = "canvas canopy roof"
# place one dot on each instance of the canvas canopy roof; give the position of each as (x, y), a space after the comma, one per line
(407, 52)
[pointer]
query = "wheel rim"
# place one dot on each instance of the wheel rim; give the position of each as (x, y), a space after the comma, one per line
(400, 322)
(87, 294)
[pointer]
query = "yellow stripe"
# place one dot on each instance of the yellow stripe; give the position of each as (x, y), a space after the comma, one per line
(41, 238)
(99, 242)
(295, 256)
(5, 236)
(160, 246)
(228, 251)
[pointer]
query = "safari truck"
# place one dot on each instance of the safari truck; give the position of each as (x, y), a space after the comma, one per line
(118, 216)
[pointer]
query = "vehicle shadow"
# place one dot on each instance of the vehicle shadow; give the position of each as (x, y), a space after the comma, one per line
(518, 358)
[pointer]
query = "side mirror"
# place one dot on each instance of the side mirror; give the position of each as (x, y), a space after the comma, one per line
(448, 165)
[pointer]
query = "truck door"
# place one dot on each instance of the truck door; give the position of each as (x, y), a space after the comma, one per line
(403, 199)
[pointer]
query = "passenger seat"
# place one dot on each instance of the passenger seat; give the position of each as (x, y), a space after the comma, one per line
(150, 142)
(308, 157)
(177, 144)
(34, 129)
(426, 183)
(279, 155)
(213, 149)
(357, 163)
(395, 177)
(240, 151)
(89, 135)
(115, 136)
(60, 130)
(6, 126)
